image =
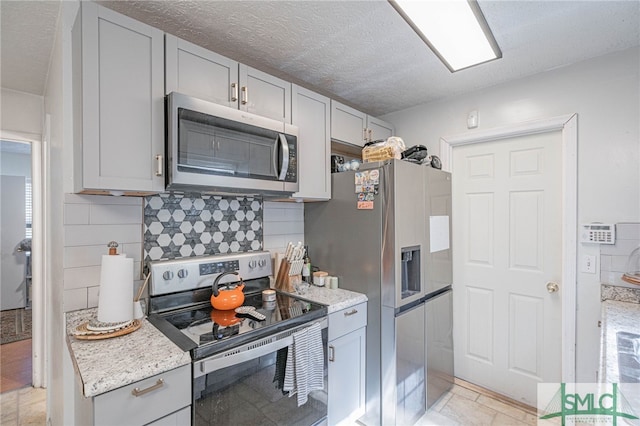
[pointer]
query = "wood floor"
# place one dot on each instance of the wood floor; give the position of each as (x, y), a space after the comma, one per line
(15, 365)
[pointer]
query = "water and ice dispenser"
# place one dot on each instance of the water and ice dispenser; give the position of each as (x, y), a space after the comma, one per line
(410, 260)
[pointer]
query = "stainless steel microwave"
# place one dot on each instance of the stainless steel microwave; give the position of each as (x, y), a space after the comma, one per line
(215, 148)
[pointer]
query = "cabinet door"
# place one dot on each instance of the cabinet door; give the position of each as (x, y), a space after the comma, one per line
(378, 129)
(347, 377)
(195, 71)
(122, 102)
(264, 94)
(347, 124)
(311, 114)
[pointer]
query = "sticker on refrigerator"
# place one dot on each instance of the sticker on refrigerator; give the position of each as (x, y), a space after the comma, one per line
(366, 188)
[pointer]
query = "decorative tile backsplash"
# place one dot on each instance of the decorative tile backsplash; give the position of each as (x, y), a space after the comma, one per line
(183, 225)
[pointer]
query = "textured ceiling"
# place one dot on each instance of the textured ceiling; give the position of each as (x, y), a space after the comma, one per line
(362, 52)
(26, 40)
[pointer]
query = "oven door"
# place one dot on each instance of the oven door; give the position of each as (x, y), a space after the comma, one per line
(243, 386)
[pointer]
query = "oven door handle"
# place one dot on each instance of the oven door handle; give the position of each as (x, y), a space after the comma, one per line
(206, 366)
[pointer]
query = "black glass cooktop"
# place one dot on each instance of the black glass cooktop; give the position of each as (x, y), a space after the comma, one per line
(205, 331)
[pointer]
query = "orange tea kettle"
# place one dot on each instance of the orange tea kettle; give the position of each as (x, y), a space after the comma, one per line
(229, 298)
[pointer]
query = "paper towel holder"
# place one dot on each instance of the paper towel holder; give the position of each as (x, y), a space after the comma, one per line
(113, 248)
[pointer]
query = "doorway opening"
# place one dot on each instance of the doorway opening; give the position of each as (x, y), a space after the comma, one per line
(16, 232)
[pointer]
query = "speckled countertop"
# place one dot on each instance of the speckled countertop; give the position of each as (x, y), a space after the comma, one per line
(616, 316)
(104, 365)
(335, 299)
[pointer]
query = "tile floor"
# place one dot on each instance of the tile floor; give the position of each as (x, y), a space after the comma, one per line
(461, 406)
(23, 407)
(467, 406)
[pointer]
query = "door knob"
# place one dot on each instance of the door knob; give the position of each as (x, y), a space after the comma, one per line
(552, 287)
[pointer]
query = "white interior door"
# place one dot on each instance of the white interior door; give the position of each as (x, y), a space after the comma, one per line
(507, 230)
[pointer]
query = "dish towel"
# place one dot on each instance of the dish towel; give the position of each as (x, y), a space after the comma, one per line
(305, 363)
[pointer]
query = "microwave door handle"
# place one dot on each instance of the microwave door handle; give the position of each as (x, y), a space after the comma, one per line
(285, 156)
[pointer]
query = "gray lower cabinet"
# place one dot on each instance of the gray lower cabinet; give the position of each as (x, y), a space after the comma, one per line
(311, 114)
(347, 364)
(164, 399)
(118, 102)
(196, 71)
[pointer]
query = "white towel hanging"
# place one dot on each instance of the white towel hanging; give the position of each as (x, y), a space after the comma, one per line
(305, 363)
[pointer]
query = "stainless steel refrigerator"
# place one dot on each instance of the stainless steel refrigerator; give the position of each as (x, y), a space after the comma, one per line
(386, 233)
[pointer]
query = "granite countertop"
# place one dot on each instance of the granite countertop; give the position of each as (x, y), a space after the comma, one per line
(616, 316)
(335, 299)
(105, 365)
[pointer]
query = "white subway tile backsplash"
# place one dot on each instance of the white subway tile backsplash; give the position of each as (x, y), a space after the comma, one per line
(81, 277)
(78, 256)
(286, 228)
(619, 263)
(275, 241)
(86, 235)
(101, 199)
(92, 296)
(75, 299)
(614, 257)
(628, 231)
(76, 214)
(622, 247)
(133, 250)
(101, 214)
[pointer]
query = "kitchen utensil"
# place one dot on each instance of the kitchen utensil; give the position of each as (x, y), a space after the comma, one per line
(229, 298)
(251, 312)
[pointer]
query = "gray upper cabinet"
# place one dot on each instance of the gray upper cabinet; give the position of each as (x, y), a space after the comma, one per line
(348, 124)
(378, 129)
(195, 71)
(118, 66)
(355, 127)
(311, 114)
(198, 72)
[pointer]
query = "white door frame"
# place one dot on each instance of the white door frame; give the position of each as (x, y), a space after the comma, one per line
(567, 124)
(38, 253)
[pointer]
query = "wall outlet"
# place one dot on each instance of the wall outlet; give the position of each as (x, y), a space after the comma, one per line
(589, 264)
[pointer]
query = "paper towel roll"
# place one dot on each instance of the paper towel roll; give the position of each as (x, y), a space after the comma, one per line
(115, 300)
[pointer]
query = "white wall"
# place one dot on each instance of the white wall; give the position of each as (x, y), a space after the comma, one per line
(90, 222)
(605, 92)
(13, 284)
(58, 106)
(21, 112)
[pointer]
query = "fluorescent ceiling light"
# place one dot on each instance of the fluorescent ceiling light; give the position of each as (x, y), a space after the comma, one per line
(455, 30)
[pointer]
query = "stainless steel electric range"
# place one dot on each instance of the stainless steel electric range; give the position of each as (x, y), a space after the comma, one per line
(238, 360)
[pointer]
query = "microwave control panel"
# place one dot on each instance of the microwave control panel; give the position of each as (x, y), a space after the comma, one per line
(598, 233)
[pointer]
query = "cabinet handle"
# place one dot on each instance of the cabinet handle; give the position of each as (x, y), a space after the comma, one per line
(364, 134)
(351, 312)
(332, 353)
(159, 165)
(370, 135)
(137, 392)
(245, 95)
(234, 94)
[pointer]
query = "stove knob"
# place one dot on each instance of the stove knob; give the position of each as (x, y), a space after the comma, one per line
(252, 264)
(167, 275)
(262, 262)
(182, 273)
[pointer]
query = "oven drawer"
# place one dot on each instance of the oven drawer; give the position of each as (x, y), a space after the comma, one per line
(158, 396)
(347, 320)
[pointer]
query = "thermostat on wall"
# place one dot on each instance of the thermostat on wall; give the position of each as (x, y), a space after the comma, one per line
(598, 233)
